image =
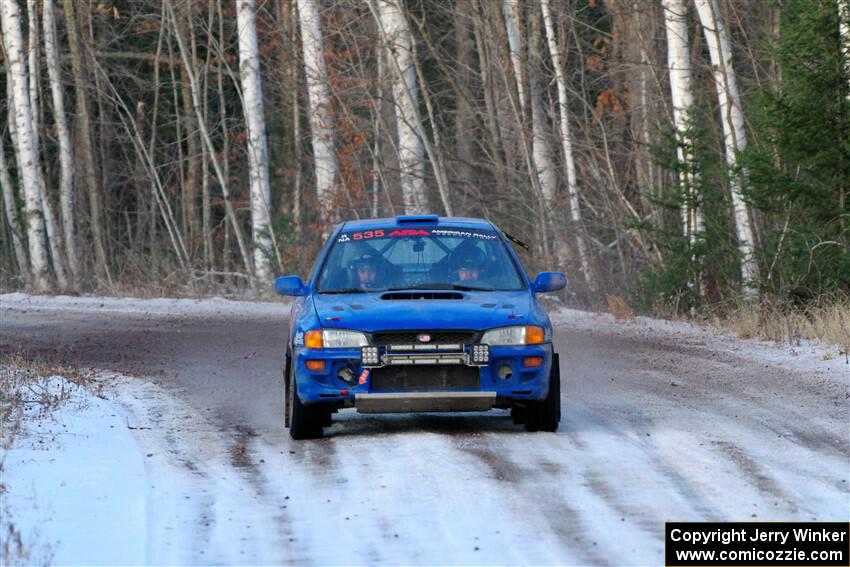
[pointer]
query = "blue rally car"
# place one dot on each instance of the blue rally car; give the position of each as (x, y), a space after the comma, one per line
(419, 314)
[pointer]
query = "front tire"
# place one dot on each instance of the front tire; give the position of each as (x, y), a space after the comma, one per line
(287, 408)
(303, 421)
(546, 414)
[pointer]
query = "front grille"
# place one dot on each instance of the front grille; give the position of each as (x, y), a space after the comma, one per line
(412, 337)
(423, 378)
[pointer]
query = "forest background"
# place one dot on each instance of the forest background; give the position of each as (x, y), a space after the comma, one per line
(675, 156)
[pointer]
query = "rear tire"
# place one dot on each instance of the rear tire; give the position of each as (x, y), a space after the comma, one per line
(545, 414)
(304, 422)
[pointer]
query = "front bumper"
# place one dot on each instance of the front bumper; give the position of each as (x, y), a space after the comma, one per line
(408, 402)
(503, 380)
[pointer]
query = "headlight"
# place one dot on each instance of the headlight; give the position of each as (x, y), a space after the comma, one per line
(339, 338)
(518, 335)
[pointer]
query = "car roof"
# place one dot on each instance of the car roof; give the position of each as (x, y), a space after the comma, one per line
(417, 220)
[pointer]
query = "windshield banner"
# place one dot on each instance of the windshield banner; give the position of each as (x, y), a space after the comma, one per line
(407, 232)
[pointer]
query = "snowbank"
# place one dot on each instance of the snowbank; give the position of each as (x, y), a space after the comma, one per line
(76, 484)
(211, 306)
(826, 360)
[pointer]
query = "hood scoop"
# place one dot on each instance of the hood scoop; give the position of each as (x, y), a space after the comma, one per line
(418, 295)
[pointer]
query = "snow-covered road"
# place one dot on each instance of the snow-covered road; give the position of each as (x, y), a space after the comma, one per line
(661, 421)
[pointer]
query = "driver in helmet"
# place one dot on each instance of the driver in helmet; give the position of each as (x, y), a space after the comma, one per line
(366, 268)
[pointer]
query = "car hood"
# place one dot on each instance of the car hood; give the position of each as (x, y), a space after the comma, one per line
(374, 312)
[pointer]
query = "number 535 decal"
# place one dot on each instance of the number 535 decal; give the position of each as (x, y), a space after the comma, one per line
(367, 234)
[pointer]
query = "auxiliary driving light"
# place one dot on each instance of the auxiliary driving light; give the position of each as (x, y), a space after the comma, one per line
(480, 354)
(369, 356)
(505, 371)
(345, 374)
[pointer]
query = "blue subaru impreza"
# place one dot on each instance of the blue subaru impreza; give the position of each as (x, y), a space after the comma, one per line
(419, 314)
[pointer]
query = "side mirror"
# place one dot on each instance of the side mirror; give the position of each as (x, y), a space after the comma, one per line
(290, 285)
(549, 281)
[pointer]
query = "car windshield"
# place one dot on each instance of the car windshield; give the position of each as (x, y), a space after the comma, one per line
(418, 258)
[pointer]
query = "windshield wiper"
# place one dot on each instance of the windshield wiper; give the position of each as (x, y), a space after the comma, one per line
(456, 287)
(471, 288)
(422, 286)
(348, 290)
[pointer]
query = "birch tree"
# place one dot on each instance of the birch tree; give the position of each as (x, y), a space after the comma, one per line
(24, 141)
(67, 198)
(51, 224)
(258, 161)
(411, 148)
(567, 141)
(512, 13)
(12, 217)
(531, 105)
(405, 93)
(734, 135)
(527, 81)
(319, 99)
(682, 94)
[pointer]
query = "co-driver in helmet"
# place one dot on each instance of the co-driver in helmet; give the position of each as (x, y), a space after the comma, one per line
(468, 264)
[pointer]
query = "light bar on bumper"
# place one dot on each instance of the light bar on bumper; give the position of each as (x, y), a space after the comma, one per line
(478, 355)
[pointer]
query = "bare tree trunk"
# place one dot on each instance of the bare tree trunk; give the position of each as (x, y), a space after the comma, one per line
(258, 160)
(567, 142)
(682, 95)
(205, 136)
(33, 52)
(190, 133)
(179, 117)
(12, 217)
(67, 197)
(289, 62)
(539, 161)
(546, 170)
(844, 32)
(297, 213)
(51, 224)
(140, 183)
(465, 113)
(84, 128)
(206, 201)
(24, 140)
(319, 98)
(225, 143)
(734, 135)
(436, 150)
(512, 12)
(484, 64)
(411, 145)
